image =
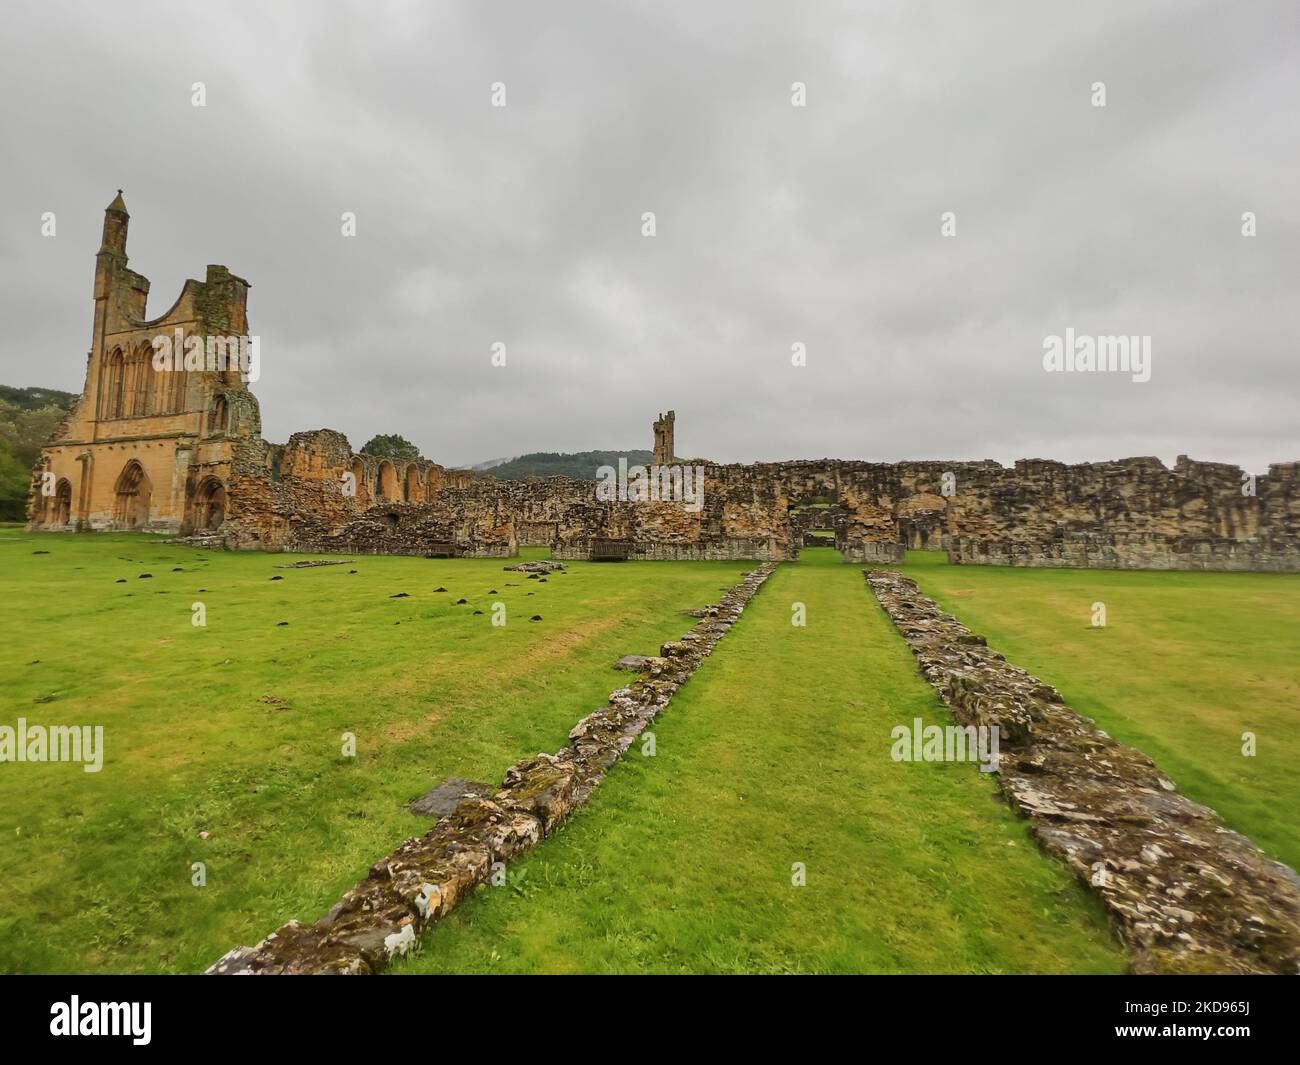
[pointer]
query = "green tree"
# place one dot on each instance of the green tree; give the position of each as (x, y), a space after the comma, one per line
(391, 446)
(27, 418)
(15, 482)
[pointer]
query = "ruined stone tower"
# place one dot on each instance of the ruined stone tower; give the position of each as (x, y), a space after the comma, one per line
(144, 447)
(664, 445)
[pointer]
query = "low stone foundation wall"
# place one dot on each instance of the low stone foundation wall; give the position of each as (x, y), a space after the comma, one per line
(871, 551)
(1184, 892)
(426, 878)
(731, 550)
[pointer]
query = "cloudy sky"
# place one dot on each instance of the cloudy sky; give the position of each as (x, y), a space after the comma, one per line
(775, 224)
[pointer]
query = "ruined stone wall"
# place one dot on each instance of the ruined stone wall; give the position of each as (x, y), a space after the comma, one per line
(1135, 513)
(314, 493)
(1131, 514)
(1185, 893)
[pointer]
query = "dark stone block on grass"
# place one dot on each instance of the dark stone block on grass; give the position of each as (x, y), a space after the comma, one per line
(447, 796)
(631, 663)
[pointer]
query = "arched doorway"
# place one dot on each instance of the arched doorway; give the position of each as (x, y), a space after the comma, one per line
(62, 513)
(209, 505)
(131, 497)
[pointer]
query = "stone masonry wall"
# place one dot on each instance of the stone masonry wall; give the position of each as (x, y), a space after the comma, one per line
(1135, 513)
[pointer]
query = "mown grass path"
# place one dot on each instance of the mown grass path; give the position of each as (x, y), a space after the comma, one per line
(1186, 664)
(778, 752)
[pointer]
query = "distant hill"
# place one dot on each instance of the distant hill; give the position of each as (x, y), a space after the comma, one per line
(36, 398)
(27, 418)
(580, 465)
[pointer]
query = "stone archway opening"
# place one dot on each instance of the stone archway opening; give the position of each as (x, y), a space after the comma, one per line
(358, 486)
(386, 486)
(209, 505)
(219, 420)
(412, 489)
(817, 521)
(923, 522)
(114, 385)
(132, 495)
(61, 514)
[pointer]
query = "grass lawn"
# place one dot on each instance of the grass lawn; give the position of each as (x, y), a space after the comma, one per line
(235, 729)
(777, 752)
(1185, 664)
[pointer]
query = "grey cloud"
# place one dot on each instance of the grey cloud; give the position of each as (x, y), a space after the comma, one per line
(776, 224)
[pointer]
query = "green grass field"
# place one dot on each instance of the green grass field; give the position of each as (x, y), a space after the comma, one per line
(777, 752)
(236, 729)
(1186, 663)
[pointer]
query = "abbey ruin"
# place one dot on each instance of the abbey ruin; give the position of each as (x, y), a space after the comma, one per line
(178, 448)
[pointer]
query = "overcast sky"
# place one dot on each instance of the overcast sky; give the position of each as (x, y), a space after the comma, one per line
(775, 224)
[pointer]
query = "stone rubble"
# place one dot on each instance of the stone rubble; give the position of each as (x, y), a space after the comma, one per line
(541, 565)
(1184, 892)
(425, 878)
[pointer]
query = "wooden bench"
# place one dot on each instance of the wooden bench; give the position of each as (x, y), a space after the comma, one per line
(610, 550)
